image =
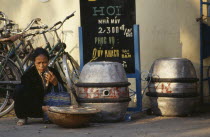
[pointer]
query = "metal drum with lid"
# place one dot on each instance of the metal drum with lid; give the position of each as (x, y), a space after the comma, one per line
(173, 87)
(104, 85)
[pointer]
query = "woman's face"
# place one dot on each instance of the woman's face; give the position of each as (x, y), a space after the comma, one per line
(41, 63)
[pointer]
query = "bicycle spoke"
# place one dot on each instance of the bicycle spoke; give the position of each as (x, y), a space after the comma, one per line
(3, 100)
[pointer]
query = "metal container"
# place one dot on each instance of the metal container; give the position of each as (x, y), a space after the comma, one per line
(173, 87)
(71, 117)
(104, 85)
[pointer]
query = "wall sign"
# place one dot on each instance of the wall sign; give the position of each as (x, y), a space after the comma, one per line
(108, 31)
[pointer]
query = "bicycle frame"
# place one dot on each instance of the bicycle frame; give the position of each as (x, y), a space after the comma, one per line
(59, 45)
(53, 49)
(12, 53)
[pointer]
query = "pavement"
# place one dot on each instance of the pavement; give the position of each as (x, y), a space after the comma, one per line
(141, 125)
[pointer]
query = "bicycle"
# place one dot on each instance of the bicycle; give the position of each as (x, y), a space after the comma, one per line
(7, 26)
(10, 72)
(20, 52)
(4, 25)
(61, 60)
(68, 68)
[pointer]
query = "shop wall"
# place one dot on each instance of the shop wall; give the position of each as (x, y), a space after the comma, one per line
(168, 28)
(23, 11)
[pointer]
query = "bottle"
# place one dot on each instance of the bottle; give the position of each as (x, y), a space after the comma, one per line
(128, 117)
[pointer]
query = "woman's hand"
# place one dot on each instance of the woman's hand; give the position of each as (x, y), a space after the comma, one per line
(45, 108)
(51, 78)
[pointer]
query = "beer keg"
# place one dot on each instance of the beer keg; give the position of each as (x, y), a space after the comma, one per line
(104, 85)
(173, 87)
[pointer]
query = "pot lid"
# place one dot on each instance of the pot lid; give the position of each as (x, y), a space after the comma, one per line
(103, 72)
(170, 68)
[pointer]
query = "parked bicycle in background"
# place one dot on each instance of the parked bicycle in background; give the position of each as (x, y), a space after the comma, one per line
(16, 61)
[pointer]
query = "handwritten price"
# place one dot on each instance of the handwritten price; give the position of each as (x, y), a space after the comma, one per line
(115, 30)
(128, 32)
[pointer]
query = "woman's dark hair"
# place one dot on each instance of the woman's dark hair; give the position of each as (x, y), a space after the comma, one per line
(40, 51)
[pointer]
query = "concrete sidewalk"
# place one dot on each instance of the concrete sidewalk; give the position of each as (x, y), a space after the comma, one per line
(142, 125)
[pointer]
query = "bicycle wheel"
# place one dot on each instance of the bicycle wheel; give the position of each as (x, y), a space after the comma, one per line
(9, 72)
(71, 70)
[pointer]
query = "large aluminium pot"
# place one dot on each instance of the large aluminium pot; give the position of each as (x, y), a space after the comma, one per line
(104, 85)
(173, 87)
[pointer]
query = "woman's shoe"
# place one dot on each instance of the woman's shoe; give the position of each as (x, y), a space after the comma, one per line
(21, 122)
(46, 119)
(47, 122)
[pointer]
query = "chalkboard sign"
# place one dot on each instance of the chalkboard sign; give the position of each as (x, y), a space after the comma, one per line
(108, 31)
